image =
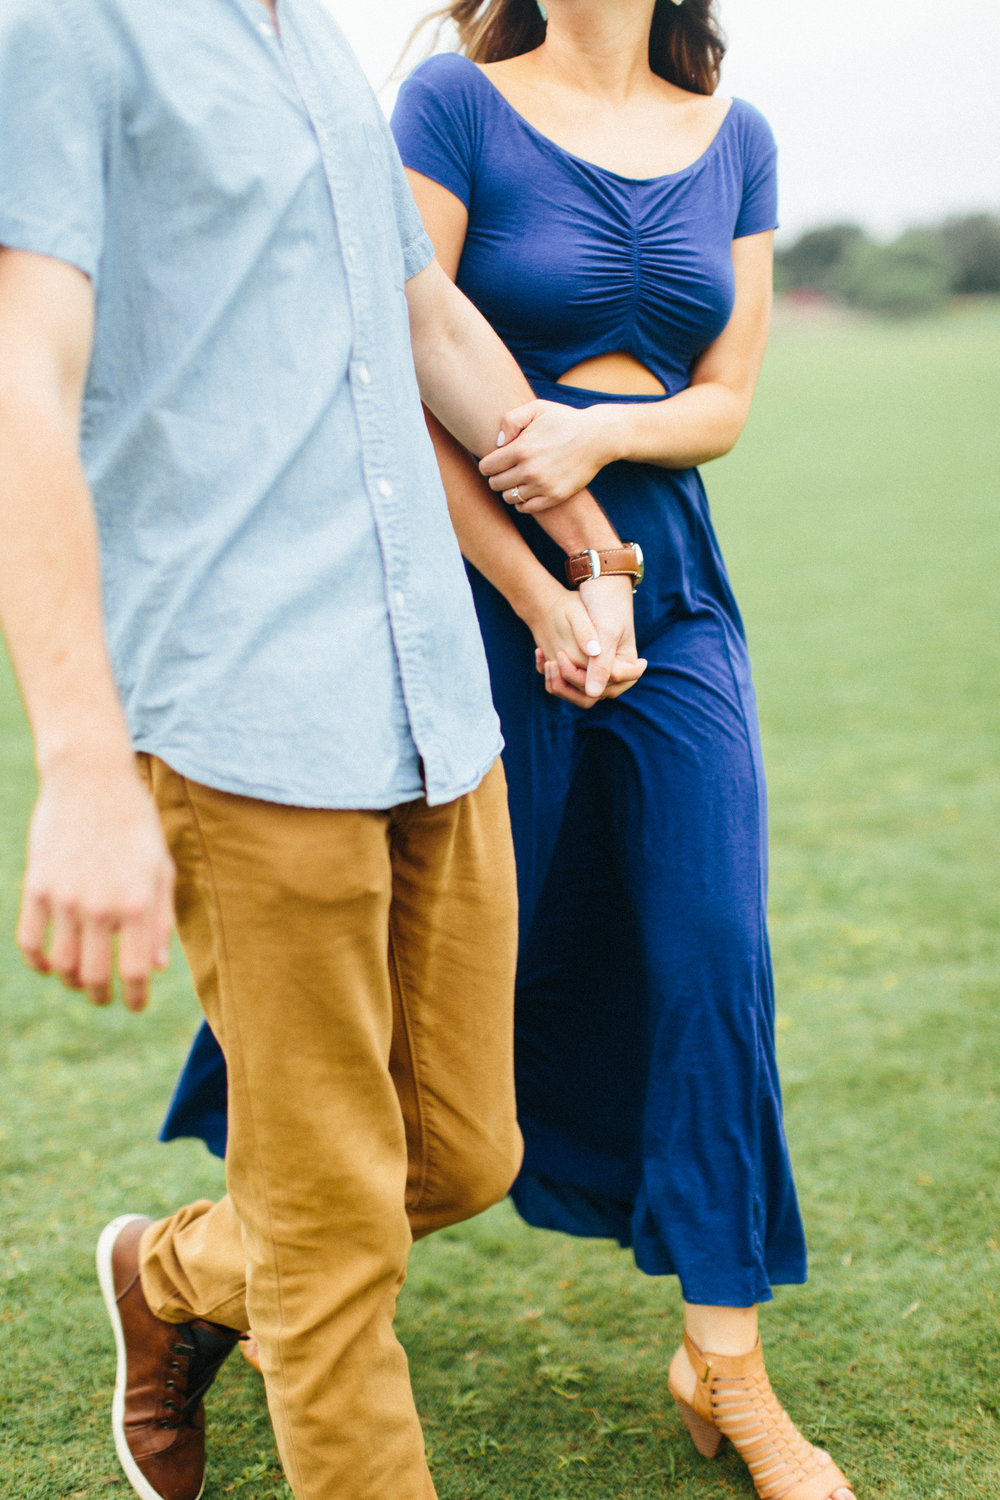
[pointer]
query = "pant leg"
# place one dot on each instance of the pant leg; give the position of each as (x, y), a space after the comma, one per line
(286, 917)
(452, 956)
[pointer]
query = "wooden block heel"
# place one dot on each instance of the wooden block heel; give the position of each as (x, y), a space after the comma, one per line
(708, 1440)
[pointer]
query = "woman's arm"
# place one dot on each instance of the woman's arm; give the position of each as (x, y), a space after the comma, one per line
(558, 449)
(564, 628)
(555, 615)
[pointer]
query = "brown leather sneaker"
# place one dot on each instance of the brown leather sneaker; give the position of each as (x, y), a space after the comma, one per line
(164, 1370)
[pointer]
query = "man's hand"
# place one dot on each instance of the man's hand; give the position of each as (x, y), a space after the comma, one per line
(98, 877)
(548, 452)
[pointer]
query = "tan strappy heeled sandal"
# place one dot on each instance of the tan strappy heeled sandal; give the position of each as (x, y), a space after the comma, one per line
(733, 1399)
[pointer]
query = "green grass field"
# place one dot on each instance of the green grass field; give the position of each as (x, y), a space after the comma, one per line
(859, 516)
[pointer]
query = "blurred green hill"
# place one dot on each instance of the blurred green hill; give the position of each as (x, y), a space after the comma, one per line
(910, 275)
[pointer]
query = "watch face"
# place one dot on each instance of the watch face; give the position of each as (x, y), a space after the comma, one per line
(641, 561)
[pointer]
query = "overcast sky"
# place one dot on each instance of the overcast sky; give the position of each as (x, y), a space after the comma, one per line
(887, 113)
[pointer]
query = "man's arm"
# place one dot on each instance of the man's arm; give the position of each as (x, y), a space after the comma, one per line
(98, 868)
(465, 374)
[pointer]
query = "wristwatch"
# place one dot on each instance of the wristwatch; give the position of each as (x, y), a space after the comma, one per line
(626, 559)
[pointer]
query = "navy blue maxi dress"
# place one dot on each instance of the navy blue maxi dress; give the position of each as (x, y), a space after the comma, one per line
(647, 1086)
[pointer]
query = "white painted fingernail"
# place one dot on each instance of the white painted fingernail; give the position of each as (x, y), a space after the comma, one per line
(501, 440)
(593, 648)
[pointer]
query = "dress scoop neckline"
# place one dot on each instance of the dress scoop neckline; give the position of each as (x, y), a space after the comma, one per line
(596, 166)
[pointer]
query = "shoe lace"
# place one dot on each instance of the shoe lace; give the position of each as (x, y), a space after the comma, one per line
(197, 1355)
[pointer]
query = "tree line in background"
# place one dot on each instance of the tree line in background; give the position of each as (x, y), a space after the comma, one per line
(909, 275)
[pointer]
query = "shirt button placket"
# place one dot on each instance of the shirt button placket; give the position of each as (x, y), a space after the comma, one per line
(358, 291)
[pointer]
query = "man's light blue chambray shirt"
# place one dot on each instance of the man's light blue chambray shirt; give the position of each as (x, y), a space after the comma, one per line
(287, 611)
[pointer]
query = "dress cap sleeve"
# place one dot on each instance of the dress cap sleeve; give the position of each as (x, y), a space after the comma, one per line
(435, 122)
(759, 204)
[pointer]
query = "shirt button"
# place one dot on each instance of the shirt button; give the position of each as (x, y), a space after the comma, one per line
(352, 254)
(364, 375)
(265, 29)
(399, 599)
(385, 489)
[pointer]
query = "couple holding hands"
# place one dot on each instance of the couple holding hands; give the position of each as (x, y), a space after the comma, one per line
(261, 700)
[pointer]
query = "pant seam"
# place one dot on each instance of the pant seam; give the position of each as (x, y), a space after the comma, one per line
(224, 957)
(414, 1201)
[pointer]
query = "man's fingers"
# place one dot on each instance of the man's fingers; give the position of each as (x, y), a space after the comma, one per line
(558, 687)
(163, 920)
(135, 956)
(32, 926)
(575, 673)
(64, 949)
(564, 679)
(135, 993)
(95, 960)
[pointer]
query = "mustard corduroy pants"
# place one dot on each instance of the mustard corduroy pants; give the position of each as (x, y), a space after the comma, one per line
(358, 971)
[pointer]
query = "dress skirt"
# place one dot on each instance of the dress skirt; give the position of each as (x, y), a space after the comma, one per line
(647, 1084)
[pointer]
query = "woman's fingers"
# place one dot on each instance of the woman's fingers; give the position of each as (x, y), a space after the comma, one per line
(565, 679)
(513, 424)
(584, 634)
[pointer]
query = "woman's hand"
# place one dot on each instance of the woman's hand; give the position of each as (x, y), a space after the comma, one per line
(547, 453)
(597, 622)
(560, 623)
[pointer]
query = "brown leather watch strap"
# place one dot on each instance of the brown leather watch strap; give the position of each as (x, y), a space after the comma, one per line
(626, 559)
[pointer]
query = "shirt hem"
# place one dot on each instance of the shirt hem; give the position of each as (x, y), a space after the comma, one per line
(54, 244)
(287, 796)
(417, 255)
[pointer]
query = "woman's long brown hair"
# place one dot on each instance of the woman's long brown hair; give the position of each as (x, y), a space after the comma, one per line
(686, 46)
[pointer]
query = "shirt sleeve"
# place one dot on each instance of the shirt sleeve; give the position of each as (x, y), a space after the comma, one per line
(53, 110)
(434, 126)
(759, 204)
(418, 251)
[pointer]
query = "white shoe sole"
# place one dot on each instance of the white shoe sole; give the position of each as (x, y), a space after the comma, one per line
(105, 1275)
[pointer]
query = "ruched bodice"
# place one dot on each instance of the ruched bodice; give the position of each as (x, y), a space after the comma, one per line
(569, 260)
